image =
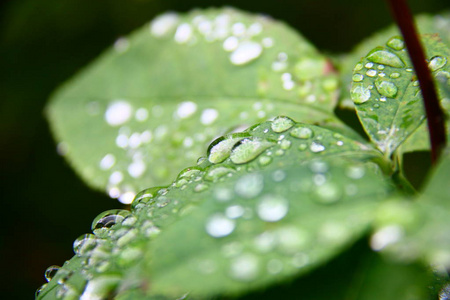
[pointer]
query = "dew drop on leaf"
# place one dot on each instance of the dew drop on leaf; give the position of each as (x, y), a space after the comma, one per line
(316, 147)
(163, 24)
(234, 211)
(327, 193)
(107, 219)
(248, 149)
(384, 57)
(50, 272)
(214, 173)
(281, 124)
(272, 208)
(219, 226)
(220, 149)
(100, 287)
(396, 43)
(40, 289)
(246, 52)
(386, 88)
(360, 94)
(301, 132)
(371, 73)
(118, 113)
(395, 75)
(357, 77)
(249, 186)
(244, 267)
(437, 62)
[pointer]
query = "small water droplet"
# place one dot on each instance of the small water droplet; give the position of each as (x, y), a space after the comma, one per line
(246, 52)
(208, 116)
(219, 226)
(437, 62)
(371, 73)
(299, 260)
(183, 33)
(281, 124)
(384, 57)
(161, 25)
(274, 266)
(234, 211)
(360, 94)
(292, 239)
(302, 147)
(358, 67)
(369, 65)
(355, 172)
(201, 187)
(230, 44)
(278, 175)
(249, 186)
(214, 173)
(386, 236)
(264, 160)
(107, 219)
(316, 147)
(162, 201)
(357, 77)
(40, 289)
(244, 267)
(272, 208)
(327, 193)
(84, 244)
(301, 132)
(285, 144)
(189, 173)
(118, 112)
(100, 287)
(186, 109)
(386, 87)
(248, 149)
(396, 43)
(50, 272)
(395, 75)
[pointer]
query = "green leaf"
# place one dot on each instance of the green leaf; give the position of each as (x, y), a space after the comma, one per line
(387, 94)
(418, 230)
(120, 245)
(147, 107)
(426, 24)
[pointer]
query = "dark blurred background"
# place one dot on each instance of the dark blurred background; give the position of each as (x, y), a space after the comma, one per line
(45, 42)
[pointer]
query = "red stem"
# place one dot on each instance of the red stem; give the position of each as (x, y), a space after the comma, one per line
(434, 112)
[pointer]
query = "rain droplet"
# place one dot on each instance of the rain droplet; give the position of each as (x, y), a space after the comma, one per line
(384, 57)
(301, 132)
(396, 43)
(272, 208)
(371, 73)
(161, 25)
(281, 124)
(107, 219)
(327, 193)
(292, 239)
(437, 62)
(248, 149)
(360, 94)
(219, 226)
(249, 186)
(246, 52)
(84, 244)
(216, 172)
(201, 187)
(358, 77)
(137, 168)
(244, 267)
(51, 272)
(316, 147)
(220, 149)
(189, 173)
(386, 88)
(118, 112)
(100, 287)
(355, 172)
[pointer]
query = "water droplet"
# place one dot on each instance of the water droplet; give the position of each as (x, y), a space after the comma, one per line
(384, 57)
(183, 34)
(301, 132)
(244, 267)
(162, 201)
(208, 116)
(360, 94)
(281, 124)
(107, 219)
(369, 65)
(186, 109)
(386, 88)
(357, 77)
(219, 226)
(137, 168)
(161, 25)
(278, 175)
(299, 260)
(234, 211)
(40, 289)
(437, 62)
(201, 187)
(274, 266)
(220, 149)
(84, 244)
(249, 186)
(231, 43)
(216, 172)
(386, 236)
(100, 287)
(272, 208)
(292, 239)
(246, 52)
(358, 67)
(396, 43)
(118, 112)
(285, 144)
(127, 238)
(316, 147)
(267, 42)
(248, 149)
(395, 75)
(355, 172)
(189, 173)
(264, 160)
(327, 193)
(371, 73)
(51, 272)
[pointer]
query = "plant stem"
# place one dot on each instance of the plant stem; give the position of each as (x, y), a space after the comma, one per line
(435, 115)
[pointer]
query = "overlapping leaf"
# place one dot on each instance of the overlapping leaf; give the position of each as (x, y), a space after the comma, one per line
(293, 158)
(148, 107)
(387, 94)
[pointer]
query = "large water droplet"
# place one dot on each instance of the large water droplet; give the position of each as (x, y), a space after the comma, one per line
(386, 87)
(384, 57)
(219, 226)
(360, 93)
(84, 244)
(244, 267)
(220, 149)
(216, 172)
(396, 43)
(249, 186)
(281, 124)
(437, 62)
(51, 272)
(249, 149)
(100, 287)
(107, 219)
(301, 132)
(272, 208)
(246, 52)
